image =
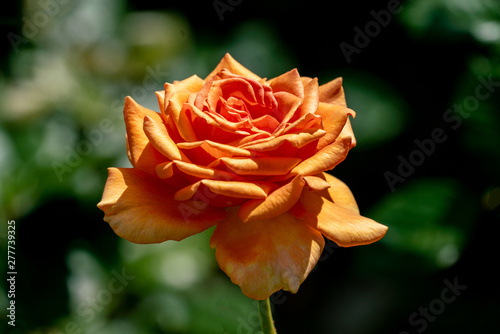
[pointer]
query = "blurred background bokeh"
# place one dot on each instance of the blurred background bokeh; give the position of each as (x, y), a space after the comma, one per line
(423, 77)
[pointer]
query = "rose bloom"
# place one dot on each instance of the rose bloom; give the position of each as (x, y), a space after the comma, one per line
(247, 155)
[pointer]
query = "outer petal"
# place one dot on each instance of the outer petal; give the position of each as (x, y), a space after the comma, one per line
(289, 82)
(160, 96)
(339, 193)
(311, 97)
(141, 153)
(192, 84)
(142, 209)
(332, 92)
(341, 225)
(347, 131)
(266, 255)
(233, 66)
(325, 159)
(334, 117)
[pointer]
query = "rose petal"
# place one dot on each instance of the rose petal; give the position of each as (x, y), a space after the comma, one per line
(295, 140)
(316, 183)
(238, 87)
(142, 209)
(311, 97)
(188, 192)
(334, 118)
(266, 255)
(216, 150)
(339, 193)
(165, 170)
(233, 66)
(332, 92)
(343, 226)
(347, 131)
(141, 153)
(287, 108)
(158, 136)
(307, 122)
(192, 84)
(205, 127)
(160, 96)
(278, 202)
(236, 189)
(288, 82)
(188, 88)
(225, 85)
(240, 126)
(247, 139)
(305, 80)
(267, 123)
(325, 159)
(202, 172)
(175, 107)
(261, 165)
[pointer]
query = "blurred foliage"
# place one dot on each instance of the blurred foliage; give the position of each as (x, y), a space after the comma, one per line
(435, 225)
(68, 68)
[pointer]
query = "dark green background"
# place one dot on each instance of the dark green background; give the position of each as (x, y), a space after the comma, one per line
(66, 67)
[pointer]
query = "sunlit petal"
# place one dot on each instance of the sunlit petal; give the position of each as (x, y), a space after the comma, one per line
(261, 165)
(140, 151)
(341, 225)
(339, 192)
(192, 84)
(288, 82)
(311, 97)
(175, 108)
(141, 209)
(216, 150)
(332, 92)
(325, 159)
(158, 136)
(236, 189)
(297, 140)
(334, 117)
(233, 66)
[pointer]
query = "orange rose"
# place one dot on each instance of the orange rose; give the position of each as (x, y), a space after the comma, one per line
(248, 155)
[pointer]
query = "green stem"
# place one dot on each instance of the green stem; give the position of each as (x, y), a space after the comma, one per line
(266, 317)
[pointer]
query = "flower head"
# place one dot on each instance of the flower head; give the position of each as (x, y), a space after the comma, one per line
(247, 155)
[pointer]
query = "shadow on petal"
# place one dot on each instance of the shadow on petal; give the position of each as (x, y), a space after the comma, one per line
(266, 255)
